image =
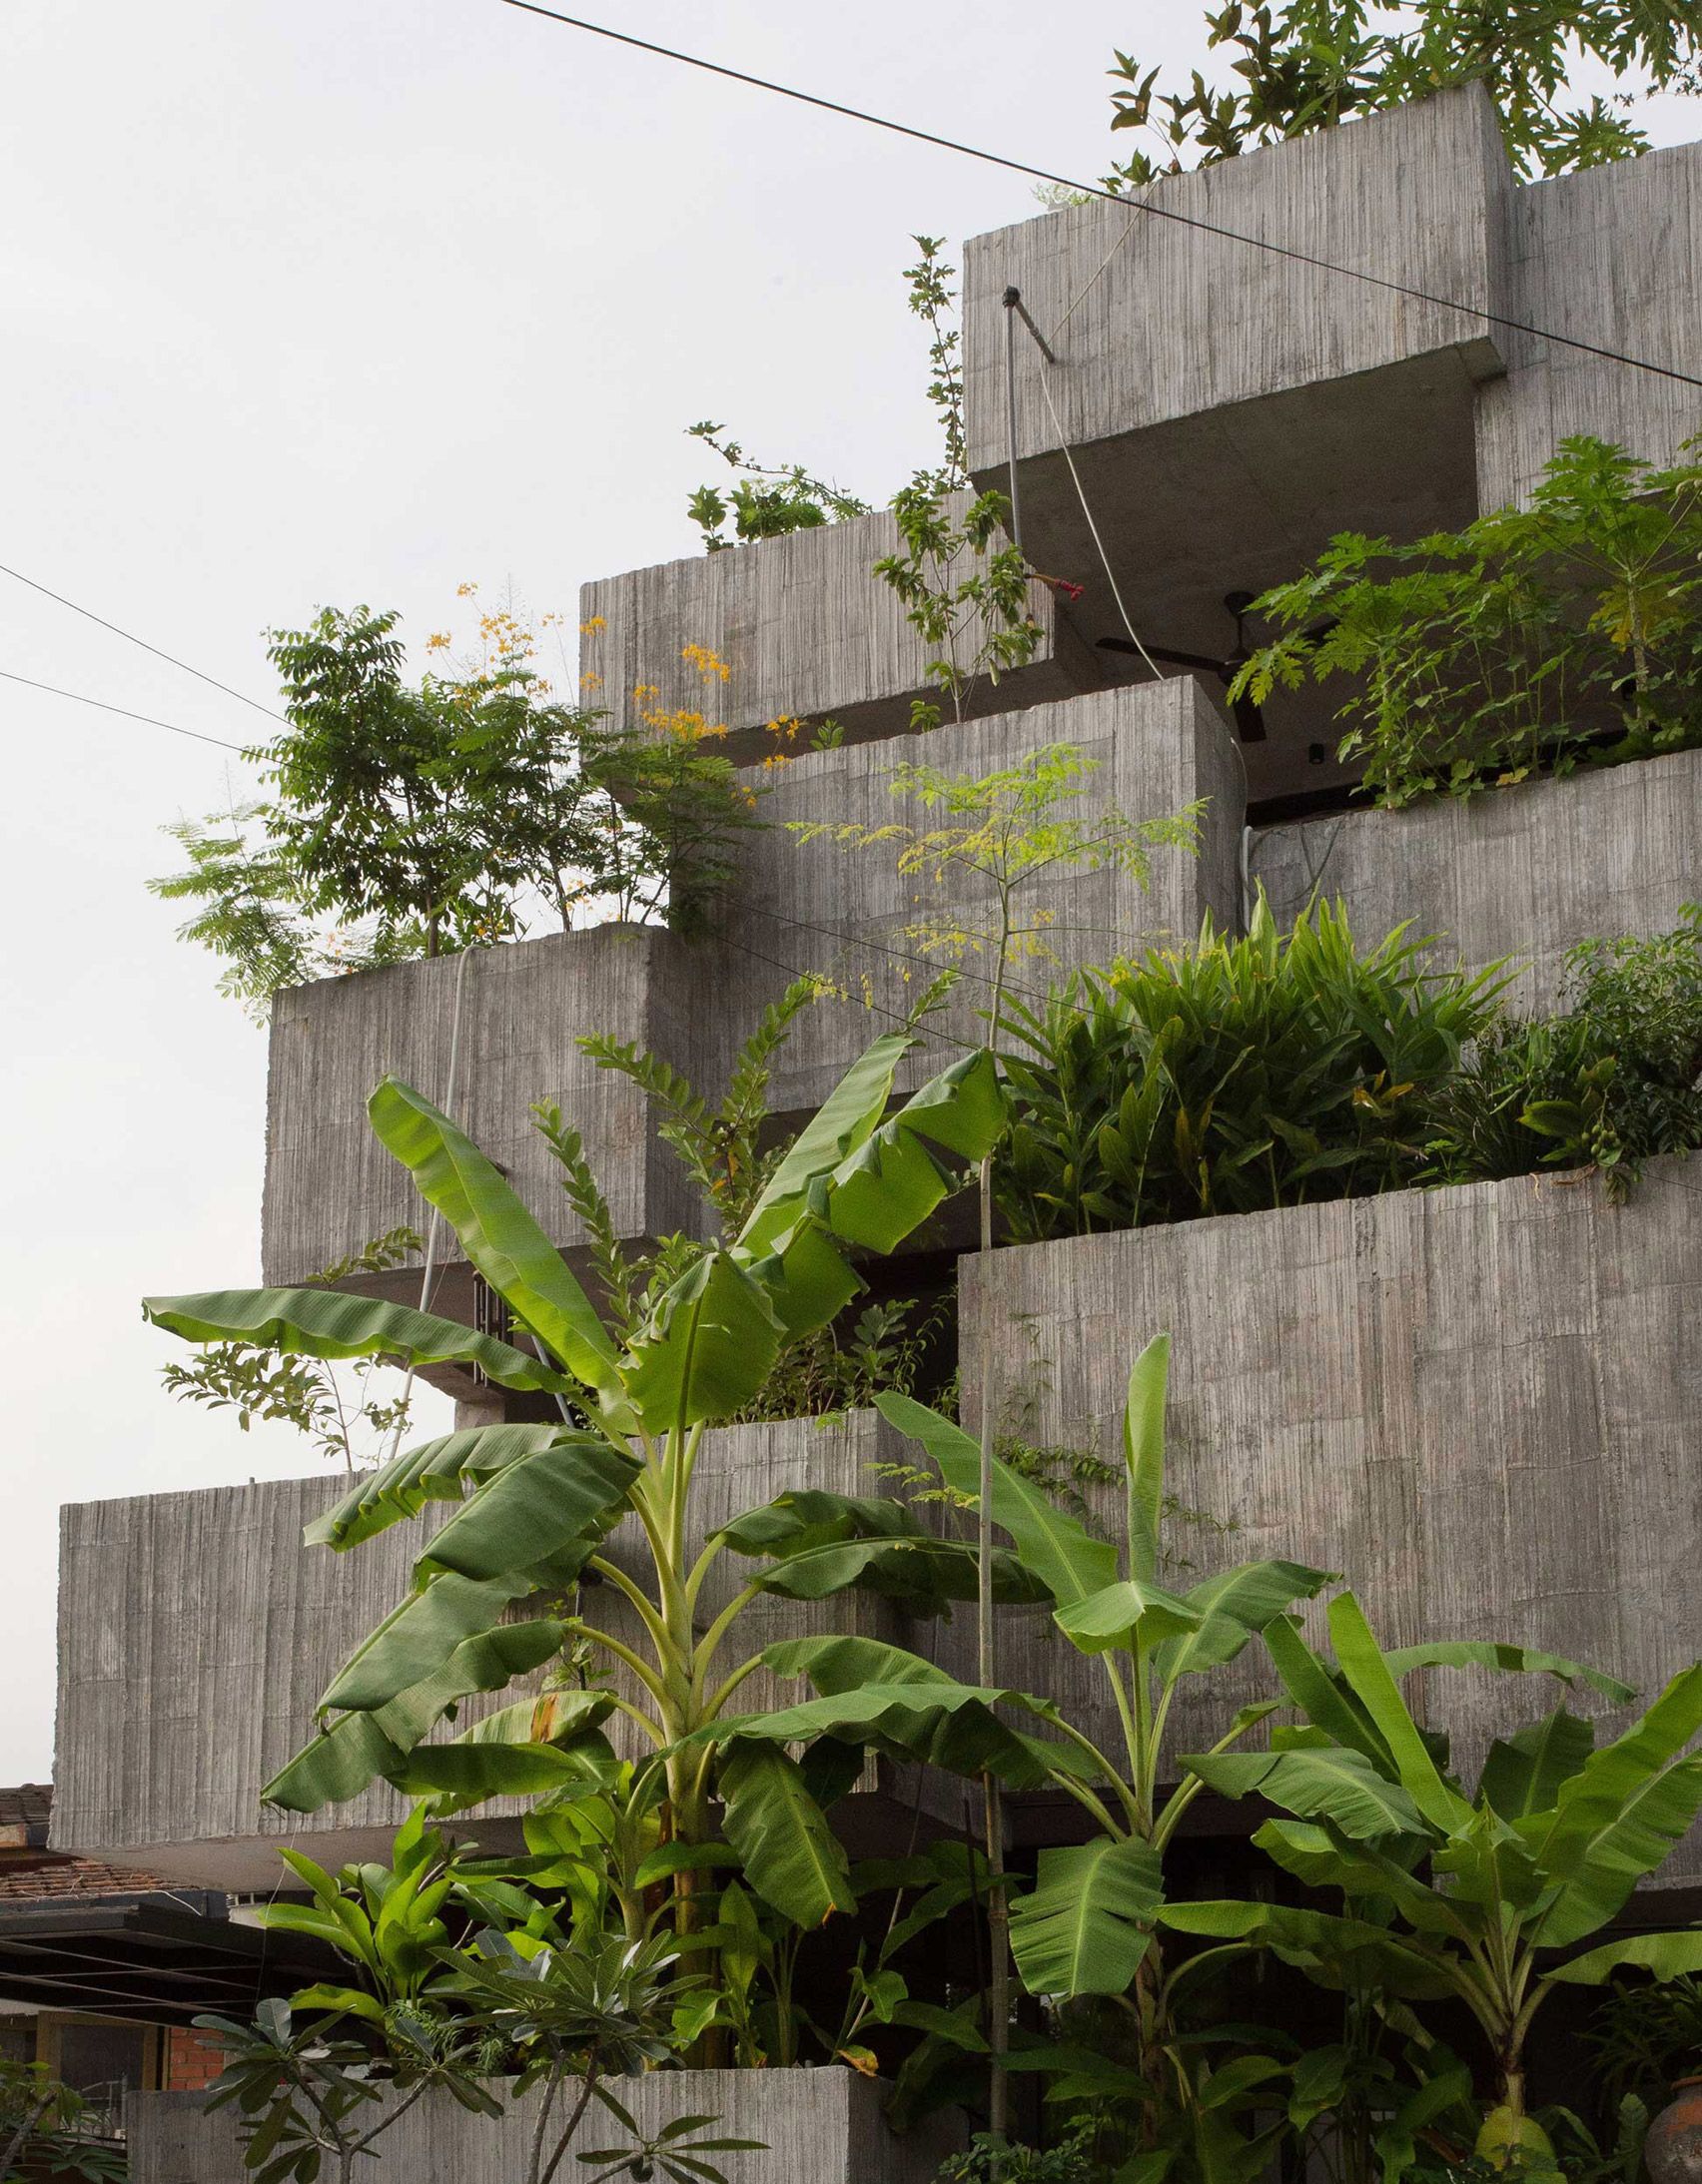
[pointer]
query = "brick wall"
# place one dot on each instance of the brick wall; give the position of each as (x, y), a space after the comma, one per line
(193, 2060)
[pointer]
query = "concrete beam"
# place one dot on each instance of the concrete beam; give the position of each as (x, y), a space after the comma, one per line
(1478, 1404)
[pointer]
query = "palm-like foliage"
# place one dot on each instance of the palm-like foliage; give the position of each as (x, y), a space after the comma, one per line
(537, 1502)
(1452, 1893)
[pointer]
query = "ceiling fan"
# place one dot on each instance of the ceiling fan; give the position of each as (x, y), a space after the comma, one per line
(1249, 717)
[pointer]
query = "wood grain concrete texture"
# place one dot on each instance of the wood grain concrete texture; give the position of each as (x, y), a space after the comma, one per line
(1169, 322)
(1154, 750)
(807, 631)
(1611, 256)
(330, 1183)
(196, 1634)
(1480, 1404)
(821, 2126)
(1521, 873)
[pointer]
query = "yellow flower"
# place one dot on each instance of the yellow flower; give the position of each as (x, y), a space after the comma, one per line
(466, 591)
(439, 641)
(707, 663)
(596, 624)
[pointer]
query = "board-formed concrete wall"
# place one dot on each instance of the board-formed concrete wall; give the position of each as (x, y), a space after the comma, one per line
(807, 631)
(330, 1183)
(1154, 321)
(1612, 257)
(1521, 873)
(1153, 751)
(818, 2128)
(196, 1634)
(1478, 1404)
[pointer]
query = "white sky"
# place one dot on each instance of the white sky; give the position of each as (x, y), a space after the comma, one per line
(320, 302)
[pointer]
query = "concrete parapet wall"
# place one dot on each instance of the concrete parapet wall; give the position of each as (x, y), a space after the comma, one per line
(820, 2127)
(1478, 1404)
(1153, 321)
(196, 1634)
(1523, 872)
(807, 631)
(1154, 750)
(330, 1183)
(1612, 257)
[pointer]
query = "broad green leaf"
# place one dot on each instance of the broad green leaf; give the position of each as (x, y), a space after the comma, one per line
(927, 1574)
(1480, 1653)
(1347, 1951)
(1666, 1955)
(487, 1660)
(885, 1189)
(438, 1471)
(1367, 1673)
(1063, 1554)
(337, 1765)
(841, 1124)
(1320, 1695)
(1086, 1922)
(327, 1323)
(805, 1279)
(791, 1856)
(1112, 1616)
(1323, 1858)
(837, 1664)
(1319, 1782)
(1232, 1606)
(1621, 1815)
(1143, 1454)
(1397, 2144)
(708, 1350)
(467, 1774)
(414, 1641)
(342, 2001)
(531, 1509)
(1524, 1774)
(797, 1522)
(497, 1232)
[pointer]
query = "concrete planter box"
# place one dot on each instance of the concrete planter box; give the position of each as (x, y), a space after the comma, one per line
(807, 629)
(1153, 751)
(195, 1633)
(1480, 1404)
(820, 2127)
(1523, 872)
(330, 1185)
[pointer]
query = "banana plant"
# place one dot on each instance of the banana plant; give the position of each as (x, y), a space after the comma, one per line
(1088, 1924)
(1479, 1896)
(538, 1501)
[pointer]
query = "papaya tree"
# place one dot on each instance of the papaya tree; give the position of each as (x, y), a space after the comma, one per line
(1481, 1896)
(538, 1501)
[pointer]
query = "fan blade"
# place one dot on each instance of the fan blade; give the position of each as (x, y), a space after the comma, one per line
(1221, 668)
(1249, 719)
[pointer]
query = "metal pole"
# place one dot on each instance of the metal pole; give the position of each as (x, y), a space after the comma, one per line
(1013, 304)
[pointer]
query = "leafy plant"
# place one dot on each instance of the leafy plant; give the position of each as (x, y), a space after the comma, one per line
(305, 2097)
(407, 821)
(1311, 64)
(537, 1501)
(1610, 1082)
(1557, 634)
(730, 1151)
(1642, 2040)
(1229, 1076)
(45, 2129)
(768, 501)
(1449, 1893)
(1088, 1926)
(306, 1393)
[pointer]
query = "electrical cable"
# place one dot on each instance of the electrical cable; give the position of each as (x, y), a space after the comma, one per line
(130, 637)
(101, 705)
(1111, 197)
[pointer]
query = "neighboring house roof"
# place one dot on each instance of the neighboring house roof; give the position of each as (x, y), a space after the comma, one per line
(31, 1873)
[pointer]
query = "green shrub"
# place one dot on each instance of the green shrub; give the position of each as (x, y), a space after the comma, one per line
(1550, 635)
(1229, 1076)
(1608, 1083)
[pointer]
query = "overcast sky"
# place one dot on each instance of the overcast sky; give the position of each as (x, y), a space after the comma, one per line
(319, 302)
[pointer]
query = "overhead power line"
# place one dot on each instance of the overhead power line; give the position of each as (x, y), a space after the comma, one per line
(101, 705)
(1136, 206)
(130, 637)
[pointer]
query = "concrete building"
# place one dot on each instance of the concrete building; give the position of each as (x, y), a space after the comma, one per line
(1480, 1403)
